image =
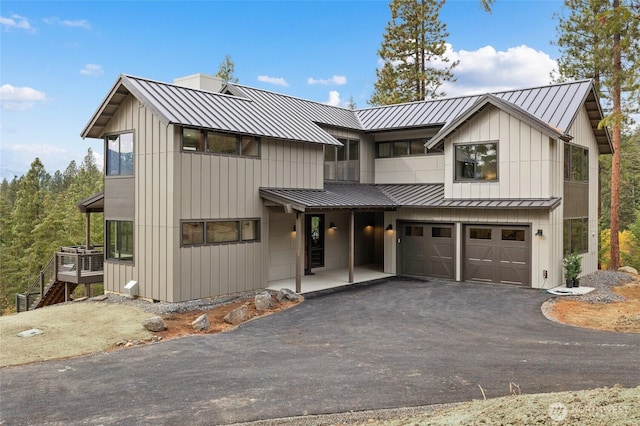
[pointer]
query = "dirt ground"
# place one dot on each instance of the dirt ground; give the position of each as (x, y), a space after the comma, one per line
(619, 316)
(89, 327)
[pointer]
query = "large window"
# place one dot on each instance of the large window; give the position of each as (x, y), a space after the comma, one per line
(120, 240)
(194, 140)
(342, 163)
(576, 163)
(205, 232)
(576, 235)
(477, 162)
(405, 148)
(120, 154)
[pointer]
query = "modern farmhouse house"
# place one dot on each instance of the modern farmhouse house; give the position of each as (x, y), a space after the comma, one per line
(213, 189)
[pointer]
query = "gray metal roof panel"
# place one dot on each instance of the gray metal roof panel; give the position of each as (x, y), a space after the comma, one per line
(385, 196)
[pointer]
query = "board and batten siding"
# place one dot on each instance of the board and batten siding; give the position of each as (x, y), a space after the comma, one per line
(582, 133)
(227, 187)
(154, 219)
(419, 169)
(525, 162)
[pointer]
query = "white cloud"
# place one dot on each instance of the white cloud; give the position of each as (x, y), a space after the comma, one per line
(334, 99)
(19, 98)
(91, 69)
(487, 70)
(15, 21)
(278, 81)
(81, 23)
(336, 79)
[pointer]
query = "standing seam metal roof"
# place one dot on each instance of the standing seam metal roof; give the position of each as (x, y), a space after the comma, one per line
(391, 196)
(263, 113)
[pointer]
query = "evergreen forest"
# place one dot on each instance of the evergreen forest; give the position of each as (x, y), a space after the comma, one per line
(38, 215)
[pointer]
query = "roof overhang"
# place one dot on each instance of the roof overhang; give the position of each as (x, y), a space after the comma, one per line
(92, 204)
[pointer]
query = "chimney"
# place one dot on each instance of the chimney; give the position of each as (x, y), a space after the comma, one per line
(206, 82)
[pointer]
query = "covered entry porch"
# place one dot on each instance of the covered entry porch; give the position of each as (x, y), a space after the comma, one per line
(325, 238)
(331, 278)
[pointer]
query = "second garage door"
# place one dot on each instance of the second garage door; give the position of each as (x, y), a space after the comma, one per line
(498, 254)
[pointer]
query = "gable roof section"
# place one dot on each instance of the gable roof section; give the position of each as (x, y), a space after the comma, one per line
(552, 107)
(196, 108)
(355, 196)
(510, 108)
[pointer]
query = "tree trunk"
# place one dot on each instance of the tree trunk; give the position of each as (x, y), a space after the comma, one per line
(615, 159)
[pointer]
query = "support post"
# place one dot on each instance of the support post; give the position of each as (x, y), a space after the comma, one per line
(41, 283)
(299, 251)
(352, 257)
(66, 292)
(78, 267)
(88, 232)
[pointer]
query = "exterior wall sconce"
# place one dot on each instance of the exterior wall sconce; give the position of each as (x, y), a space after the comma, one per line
(294, 228)
(539, 233)
(333, 226)
(389, 227)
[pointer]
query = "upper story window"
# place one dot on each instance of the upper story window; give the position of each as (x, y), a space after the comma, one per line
(120, 155)
(342, 163)
(195, 140)
(405, 148)
(476, 162)
(576, 163)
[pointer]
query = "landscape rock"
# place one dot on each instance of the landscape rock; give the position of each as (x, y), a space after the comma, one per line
(154, 324)
(80, 299)
(264, 301)
(201, 323)
(238, 315)
(628, 269)
(285, 293)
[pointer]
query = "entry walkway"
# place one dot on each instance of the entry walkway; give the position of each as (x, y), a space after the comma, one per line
(322, 280)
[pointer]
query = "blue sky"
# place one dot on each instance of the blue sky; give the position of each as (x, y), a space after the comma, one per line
(60, 58)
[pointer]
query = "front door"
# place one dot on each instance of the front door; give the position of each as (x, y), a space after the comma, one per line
(314, 256)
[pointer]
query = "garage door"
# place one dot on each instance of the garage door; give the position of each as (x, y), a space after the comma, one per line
(428, 250)
(497, 254)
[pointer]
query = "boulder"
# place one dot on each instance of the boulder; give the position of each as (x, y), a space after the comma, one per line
(238, 315)
(264, 301)
(201, 323)
(154, 324)
(628, 269)
(285, 293)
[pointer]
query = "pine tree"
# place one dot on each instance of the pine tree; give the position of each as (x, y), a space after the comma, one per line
(226, 70)
(600, 40)
(413, 53)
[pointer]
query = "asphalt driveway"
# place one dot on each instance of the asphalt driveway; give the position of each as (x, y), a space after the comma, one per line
(393, 344)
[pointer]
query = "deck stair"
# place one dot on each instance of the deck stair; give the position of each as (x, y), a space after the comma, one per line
(67, 269)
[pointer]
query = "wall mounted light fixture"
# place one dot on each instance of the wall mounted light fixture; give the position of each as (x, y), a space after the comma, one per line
(332, 226)
(539, 233)
(389, 227)
(294, 228)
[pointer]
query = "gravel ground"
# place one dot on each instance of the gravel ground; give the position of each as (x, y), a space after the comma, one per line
(160, 308)
(603, 282)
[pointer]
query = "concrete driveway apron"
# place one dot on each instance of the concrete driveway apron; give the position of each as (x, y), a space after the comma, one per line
(396, 343)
